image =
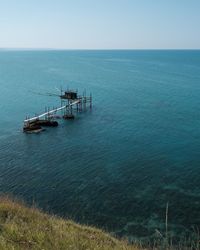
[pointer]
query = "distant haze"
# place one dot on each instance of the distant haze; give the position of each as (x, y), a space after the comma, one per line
(100, 24)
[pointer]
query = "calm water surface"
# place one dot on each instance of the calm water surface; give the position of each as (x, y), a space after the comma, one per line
(118, 165)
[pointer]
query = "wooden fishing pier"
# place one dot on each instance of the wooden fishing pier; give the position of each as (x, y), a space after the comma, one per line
(71, 103)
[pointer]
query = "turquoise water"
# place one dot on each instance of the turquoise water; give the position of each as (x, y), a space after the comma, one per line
(118, 165)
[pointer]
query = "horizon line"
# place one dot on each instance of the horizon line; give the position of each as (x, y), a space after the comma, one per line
(95, 49)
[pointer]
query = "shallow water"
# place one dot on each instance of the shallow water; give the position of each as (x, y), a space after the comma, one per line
(118, 165)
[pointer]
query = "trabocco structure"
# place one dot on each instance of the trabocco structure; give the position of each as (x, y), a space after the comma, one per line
(71, 103)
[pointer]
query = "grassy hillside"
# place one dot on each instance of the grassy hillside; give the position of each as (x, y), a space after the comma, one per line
(28, 228)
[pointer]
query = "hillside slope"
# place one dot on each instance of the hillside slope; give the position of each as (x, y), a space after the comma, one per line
(28, 228)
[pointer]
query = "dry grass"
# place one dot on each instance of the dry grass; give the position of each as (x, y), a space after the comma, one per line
(28, 228)
(24, 228)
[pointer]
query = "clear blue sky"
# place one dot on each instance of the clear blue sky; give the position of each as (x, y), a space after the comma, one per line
(100, 24)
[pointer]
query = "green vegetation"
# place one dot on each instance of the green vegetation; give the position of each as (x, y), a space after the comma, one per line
(28, 228)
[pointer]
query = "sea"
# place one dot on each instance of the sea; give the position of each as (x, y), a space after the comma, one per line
(119, 165)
